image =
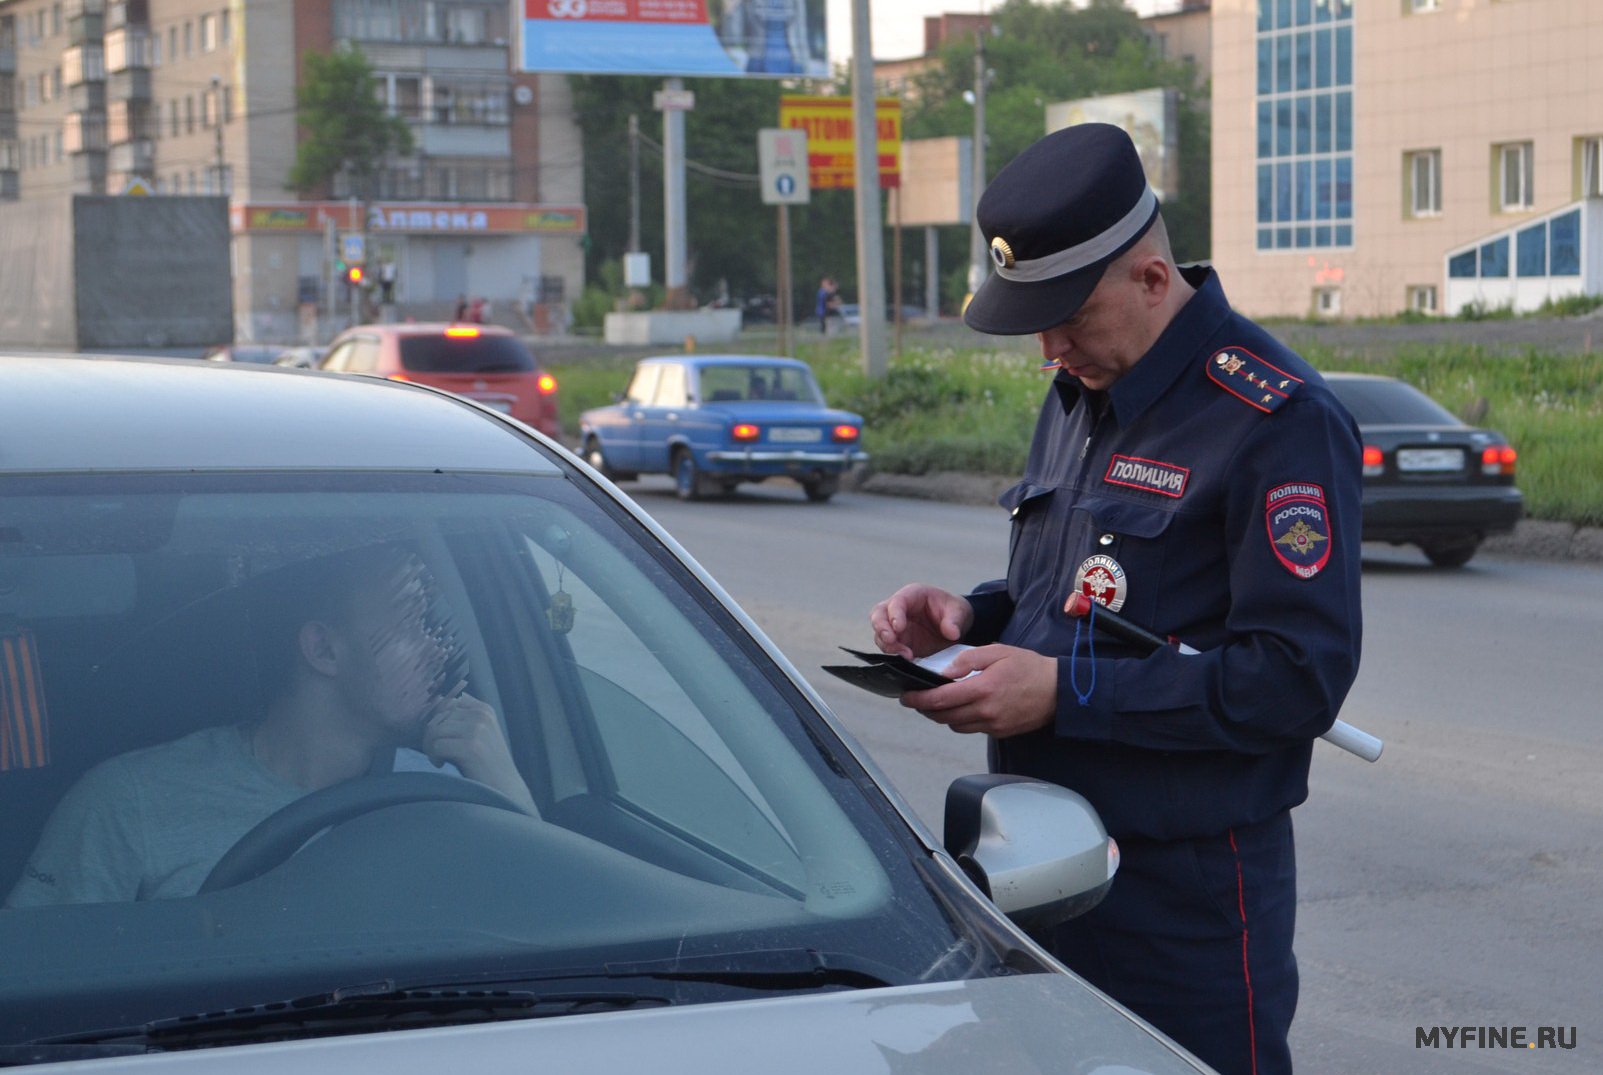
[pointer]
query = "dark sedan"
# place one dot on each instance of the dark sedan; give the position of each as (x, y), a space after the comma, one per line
(1430, 479)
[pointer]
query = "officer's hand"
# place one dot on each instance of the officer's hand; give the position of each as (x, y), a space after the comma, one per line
(1015, 692)
(465, 732)
(919, 619)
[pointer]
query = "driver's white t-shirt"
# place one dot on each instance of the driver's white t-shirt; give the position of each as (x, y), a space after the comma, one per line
(151, 824)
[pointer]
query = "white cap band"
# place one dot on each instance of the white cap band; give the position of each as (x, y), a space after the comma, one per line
(1081, 255)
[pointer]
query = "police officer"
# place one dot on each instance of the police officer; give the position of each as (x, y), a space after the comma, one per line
(1193, 474)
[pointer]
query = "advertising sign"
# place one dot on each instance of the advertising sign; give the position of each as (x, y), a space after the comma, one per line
(1150, 117)
(831, 150)
(414, 218)
(734, 38)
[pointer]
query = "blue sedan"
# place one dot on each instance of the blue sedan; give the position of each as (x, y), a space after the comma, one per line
(714, 421)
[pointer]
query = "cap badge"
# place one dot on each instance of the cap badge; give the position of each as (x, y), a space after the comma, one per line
(1001, 253)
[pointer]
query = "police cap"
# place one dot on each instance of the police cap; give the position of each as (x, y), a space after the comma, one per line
(1054, 218)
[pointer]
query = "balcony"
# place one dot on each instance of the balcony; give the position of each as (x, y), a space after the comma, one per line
(89, 173)
(130, 85)
(85, 29)
(136, 158)
(86, 97)
(127, 48)
(129, 121)
(84, 132)
(83, 63)
(127, 13)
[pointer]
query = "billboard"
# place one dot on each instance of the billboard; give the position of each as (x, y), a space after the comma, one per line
(831, 148)
(937, 183)
(733, 38)
(1150, 117)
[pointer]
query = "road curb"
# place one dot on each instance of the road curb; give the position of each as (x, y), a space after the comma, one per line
(1532, 539)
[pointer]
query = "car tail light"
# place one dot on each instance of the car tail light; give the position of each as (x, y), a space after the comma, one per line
(845, 433)
(1498, 459)
(462, 332)
(546, 383)
(745, 431)
(1374, 461)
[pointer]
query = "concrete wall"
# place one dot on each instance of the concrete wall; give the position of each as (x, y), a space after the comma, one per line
(36, 308)
(151, 272)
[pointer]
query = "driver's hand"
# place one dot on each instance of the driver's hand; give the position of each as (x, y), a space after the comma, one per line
(466, 732)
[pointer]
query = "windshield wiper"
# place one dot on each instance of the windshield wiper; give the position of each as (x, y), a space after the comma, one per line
(778, 968)
(373, 1007)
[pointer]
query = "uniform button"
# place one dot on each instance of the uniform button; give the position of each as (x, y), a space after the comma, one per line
(1106, 539)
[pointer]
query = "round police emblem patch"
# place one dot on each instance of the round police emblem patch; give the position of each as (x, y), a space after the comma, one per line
(1101, 578)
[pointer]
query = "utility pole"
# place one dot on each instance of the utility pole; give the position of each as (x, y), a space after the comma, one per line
(634, 184)
(979, 259)
(217, 126)
(870, 240)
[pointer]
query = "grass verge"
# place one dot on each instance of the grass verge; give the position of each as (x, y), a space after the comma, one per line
(973, 408)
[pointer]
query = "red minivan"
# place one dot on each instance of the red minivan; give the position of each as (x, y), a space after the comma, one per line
(485, 363)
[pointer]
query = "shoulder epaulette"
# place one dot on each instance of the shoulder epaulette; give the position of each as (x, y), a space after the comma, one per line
(1251, 379)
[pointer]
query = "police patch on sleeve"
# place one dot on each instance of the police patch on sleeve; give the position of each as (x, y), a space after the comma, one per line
(1299, 528)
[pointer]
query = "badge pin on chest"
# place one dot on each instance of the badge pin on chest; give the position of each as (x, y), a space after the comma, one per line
(1102, 579)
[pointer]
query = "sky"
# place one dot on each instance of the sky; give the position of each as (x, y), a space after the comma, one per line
(897, 26)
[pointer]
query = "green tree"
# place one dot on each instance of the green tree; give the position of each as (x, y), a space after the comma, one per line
(731, 235)
(1044, 53)
(346, 127)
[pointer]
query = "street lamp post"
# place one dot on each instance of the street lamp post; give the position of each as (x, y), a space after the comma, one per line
(979, 260)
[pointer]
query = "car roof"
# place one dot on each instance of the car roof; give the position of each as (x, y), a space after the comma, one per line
(426, 328)
(76, 413)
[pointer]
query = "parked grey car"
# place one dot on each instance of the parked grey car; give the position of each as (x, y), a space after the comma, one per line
(681, 863)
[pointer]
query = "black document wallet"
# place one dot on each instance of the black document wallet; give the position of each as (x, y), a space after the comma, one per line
(886, 674)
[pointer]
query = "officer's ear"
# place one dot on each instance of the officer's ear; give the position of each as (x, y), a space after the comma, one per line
(1154, 273)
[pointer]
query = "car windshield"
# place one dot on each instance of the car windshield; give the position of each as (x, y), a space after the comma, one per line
(681, 801)
(1396, 403)
(729, 383)
(465, 353)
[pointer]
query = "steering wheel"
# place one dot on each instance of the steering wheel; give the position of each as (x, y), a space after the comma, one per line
(280, 835)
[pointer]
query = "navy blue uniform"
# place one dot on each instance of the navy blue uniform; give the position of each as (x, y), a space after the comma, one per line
(1212, 494)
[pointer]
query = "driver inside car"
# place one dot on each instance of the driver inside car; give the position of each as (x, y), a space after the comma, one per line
(358, 675)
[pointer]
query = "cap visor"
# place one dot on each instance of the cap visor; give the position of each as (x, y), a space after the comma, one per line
(1006, 308)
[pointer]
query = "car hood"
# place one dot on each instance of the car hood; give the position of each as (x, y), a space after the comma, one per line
(1047, 1023)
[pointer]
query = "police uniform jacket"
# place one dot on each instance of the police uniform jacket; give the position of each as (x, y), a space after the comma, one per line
(1215, 489)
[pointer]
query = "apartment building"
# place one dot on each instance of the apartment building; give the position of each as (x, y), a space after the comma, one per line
(198, 97)
(1384, 155)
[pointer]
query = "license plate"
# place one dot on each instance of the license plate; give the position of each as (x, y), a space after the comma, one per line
(796, 436)
(1415, 460)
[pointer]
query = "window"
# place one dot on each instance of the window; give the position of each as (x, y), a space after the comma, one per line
(1327, 302)
(224, 28)
(1589, 166)
(1530, 251)
(1416, 7)
(189, 117)
(1305, 125)
(1424, 172)
(1564, 244)
(208, 33)
(1422, 298)
(1515, 176)
(189, 40)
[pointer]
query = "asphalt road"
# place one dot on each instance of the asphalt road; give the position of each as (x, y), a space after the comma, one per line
(1457, 882)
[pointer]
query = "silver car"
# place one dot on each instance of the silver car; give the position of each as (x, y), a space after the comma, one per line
(651, 846)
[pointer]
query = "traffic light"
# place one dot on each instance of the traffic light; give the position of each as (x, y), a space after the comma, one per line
(353, 275)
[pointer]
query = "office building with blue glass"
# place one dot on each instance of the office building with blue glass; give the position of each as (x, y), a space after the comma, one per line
(1372, 156)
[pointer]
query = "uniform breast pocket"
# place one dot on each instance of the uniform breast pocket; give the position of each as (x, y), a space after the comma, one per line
(1125, 555)
(1036, 532)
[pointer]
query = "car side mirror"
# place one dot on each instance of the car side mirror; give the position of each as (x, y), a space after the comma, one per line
(1038, 850)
